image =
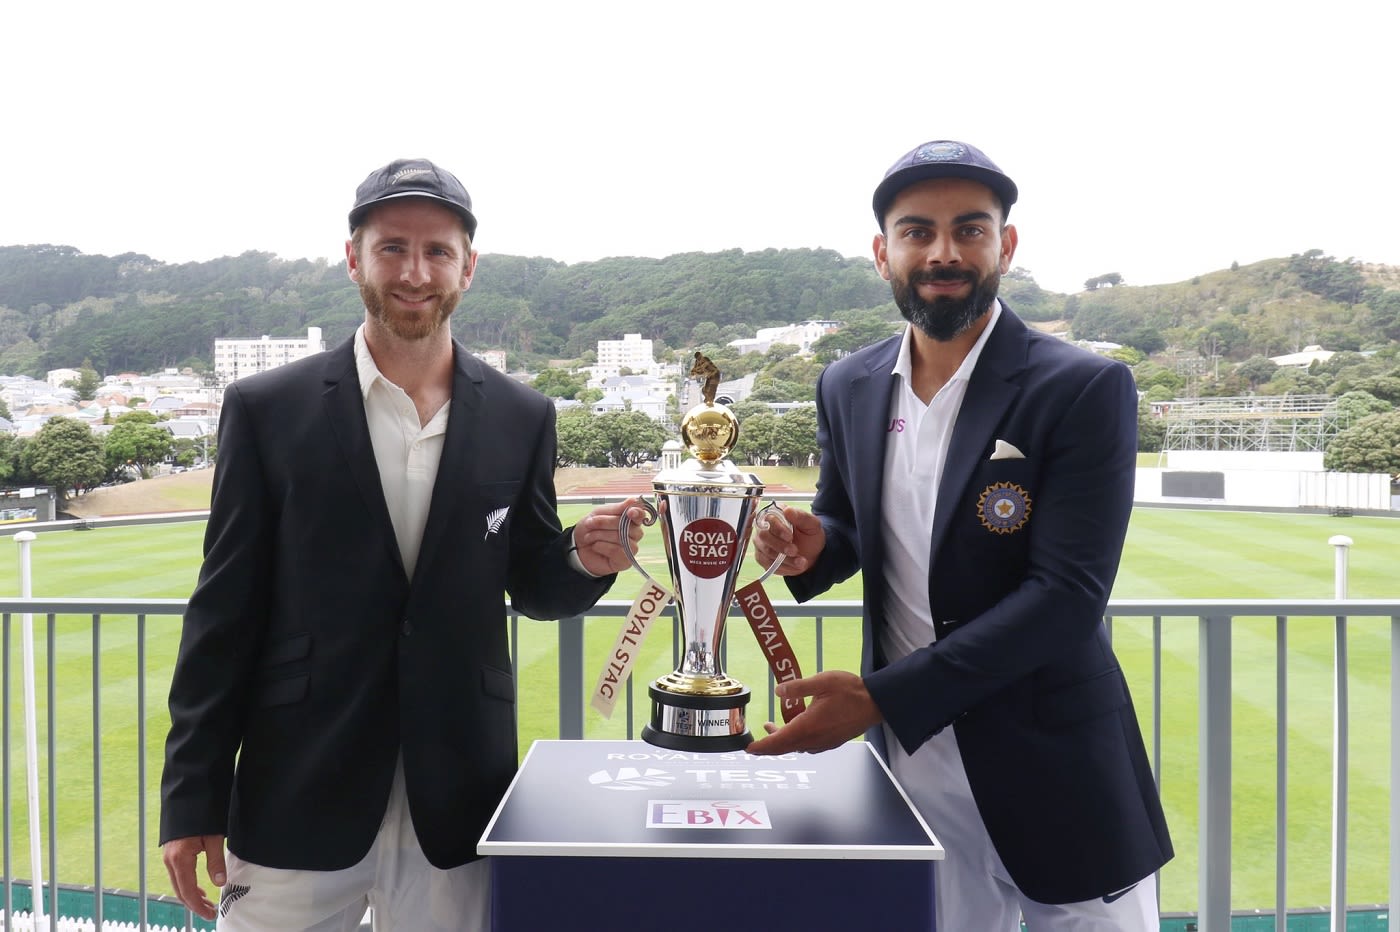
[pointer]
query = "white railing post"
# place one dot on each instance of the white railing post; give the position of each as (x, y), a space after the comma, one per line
(31, 739)
(1341, 543)
(1340, 757)
(1213, 859)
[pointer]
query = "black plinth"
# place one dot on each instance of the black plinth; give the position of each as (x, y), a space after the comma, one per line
(621, 834)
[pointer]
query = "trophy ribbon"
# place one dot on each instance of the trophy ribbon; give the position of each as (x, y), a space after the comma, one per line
(648, 604)
(782, 660)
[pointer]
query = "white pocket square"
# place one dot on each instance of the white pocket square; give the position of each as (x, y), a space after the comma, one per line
(1006, 451)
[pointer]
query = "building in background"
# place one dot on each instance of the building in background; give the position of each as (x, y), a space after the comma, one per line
(801, 335)
(494, 358)
(236, 359)
(1304, 359)
(631, 353)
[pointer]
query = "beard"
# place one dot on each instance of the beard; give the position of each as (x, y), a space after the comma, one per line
(944, 318)
(409, 325)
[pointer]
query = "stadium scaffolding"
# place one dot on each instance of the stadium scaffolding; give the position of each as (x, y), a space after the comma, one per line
(1268, 423)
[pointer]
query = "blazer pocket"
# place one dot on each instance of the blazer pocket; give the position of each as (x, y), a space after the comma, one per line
(281, 691)
(1082, 701)
(285, 650)
(498, 683)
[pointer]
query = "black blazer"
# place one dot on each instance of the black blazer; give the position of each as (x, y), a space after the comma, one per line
(309, 660)
(1021, 668)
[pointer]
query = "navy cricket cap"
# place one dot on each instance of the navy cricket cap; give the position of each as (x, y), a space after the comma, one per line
(942, 158)
(413, 178)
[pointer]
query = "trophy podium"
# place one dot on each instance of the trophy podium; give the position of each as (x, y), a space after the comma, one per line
(707, 508)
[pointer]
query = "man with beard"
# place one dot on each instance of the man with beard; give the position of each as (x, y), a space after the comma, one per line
(980, 475)
(343, 703)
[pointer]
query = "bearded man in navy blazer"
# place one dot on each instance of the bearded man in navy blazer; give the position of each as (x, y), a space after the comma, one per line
(343, 706)
(979, 475)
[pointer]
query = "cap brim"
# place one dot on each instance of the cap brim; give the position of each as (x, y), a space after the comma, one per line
(1003, 187)
(357, 213)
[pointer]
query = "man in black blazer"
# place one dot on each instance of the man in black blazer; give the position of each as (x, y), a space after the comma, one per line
(979, 475)
(343, 707)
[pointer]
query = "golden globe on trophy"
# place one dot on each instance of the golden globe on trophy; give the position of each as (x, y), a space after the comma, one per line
(707, 509)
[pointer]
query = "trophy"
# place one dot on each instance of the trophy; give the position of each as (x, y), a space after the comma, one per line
(707, 509)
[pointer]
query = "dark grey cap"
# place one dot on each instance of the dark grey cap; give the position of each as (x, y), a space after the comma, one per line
(942, 158)
(413, 178)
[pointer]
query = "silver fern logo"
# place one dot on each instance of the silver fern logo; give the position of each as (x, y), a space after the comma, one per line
(232, 894)
(631, 778)
(494, 521)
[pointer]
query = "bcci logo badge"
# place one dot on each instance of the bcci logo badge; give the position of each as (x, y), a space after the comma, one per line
(1004, 507)
(940, 152)
(630, 779)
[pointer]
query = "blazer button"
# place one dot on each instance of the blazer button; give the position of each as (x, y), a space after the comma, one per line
(407, 627)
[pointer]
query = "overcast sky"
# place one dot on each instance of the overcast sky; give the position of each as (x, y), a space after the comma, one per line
(1158, 141)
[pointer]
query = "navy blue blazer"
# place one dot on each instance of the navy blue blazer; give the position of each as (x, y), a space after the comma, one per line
(1023, 554)
(309, 653)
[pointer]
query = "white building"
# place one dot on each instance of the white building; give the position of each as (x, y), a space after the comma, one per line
(1306, 358)
(631, 352)
(636, 393)
(235, 359)
(56, 377)
(802, 335)
(494, 358)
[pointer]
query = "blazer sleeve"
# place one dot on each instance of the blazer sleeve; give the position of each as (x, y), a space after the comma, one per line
(541, 581)
(223, 626)
(1052, 607)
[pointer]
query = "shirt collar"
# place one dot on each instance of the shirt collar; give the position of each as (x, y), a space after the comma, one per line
(904, 364)
(364, 363)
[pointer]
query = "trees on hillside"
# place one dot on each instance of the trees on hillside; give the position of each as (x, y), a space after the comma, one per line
(560, 383)
(1112, 279)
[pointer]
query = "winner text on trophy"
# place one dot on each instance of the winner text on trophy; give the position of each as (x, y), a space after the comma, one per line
(707, 509)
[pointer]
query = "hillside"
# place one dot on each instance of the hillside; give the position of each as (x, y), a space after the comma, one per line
(59, 307)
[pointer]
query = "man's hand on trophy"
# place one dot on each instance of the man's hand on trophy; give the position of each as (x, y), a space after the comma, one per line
(840, 709)
(597, 541)
(795, 533)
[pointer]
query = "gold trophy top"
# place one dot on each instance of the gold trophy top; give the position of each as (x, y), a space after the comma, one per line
(708, 430)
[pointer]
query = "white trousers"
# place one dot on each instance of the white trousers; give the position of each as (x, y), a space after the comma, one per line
(394, 880)
(972, 889)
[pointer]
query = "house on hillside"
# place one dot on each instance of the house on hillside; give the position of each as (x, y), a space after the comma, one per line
(1302, 360)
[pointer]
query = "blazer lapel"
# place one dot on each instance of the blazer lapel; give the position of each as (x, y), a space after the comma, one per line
(455, 467)
(345, 409)
(870, 415)
(990, 392)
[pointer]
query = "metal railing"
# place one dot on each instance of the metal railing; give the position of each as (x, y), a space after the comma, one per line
(1215, 621)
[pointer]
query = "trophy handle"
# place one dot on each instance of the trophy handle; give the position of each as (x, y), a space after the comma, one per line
(624, 525)
(760, 517)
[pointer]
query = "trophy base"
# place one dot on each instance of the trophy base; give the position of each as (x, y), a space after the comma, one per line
(684, 722)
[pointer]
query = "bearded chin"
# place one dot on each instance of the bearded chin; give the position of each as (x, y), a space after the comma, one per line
(409, 326)
(942, 319)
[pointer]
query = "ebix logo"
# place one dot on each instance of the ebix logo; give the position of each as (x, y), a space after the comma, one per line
(707, 813)
(630, 778)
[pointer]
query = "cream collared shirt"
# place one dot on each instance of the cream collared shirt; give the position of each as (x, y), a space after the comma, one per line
(916, 448)
(406, 452)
